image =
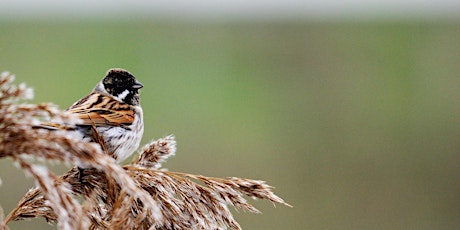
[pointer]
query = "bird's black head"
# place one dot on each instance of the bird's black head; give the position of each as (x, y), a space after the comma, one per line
(122, 85)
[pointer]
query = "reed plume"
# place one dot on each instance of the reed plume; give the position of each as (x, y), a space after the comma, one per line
(105, 195)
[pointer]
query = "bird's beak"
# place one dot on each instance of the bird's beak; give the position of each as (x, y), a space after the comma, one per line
(137, 85)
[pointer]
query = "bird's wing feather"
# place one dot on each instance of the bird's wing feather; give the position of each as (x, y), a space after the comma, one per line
(55, 126)
(98, 109)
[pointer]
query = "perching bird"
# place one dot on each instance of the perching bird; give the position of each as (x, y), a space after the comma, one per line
(113, 109)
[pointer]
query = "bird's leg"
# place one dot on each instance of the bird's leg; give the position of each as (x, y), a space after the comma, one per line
(81, 174)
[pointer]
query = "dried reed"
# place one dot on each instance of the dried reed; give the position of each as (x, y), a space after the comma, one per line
(140, 195)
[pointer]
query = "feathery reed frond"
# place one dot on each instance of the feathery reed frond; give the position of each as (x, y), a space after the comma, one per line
(58, 196)
(157, 152)
(140, 195)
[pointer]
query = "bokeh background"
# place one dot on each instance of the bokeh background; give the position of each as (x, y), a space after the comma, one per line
(351, 111)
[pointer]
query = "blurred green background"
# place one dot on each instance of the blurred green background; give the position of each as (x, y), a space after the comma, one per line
(356, 124)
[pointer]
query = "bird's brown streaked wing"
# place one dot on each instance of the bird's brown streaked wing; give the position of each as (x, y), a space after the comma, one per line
(54, 126)
(98, 109)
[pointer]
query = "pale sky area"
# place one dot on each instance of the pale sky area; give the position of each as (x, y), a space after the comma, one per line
(233, 9)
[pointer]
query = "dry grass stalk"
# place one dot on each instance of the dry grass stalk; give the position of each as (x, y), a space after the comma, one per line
(70, 212)
(140, 195)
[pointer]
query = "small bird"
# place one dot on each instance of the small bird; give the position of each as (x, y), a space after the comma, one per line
(113, 109)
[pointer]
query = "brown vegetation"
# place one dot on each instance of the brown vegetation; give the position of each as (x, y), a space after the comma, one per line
(105, 195)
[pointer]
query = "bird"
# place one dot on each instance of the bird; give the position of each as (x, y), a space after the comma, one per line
(111, 112)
